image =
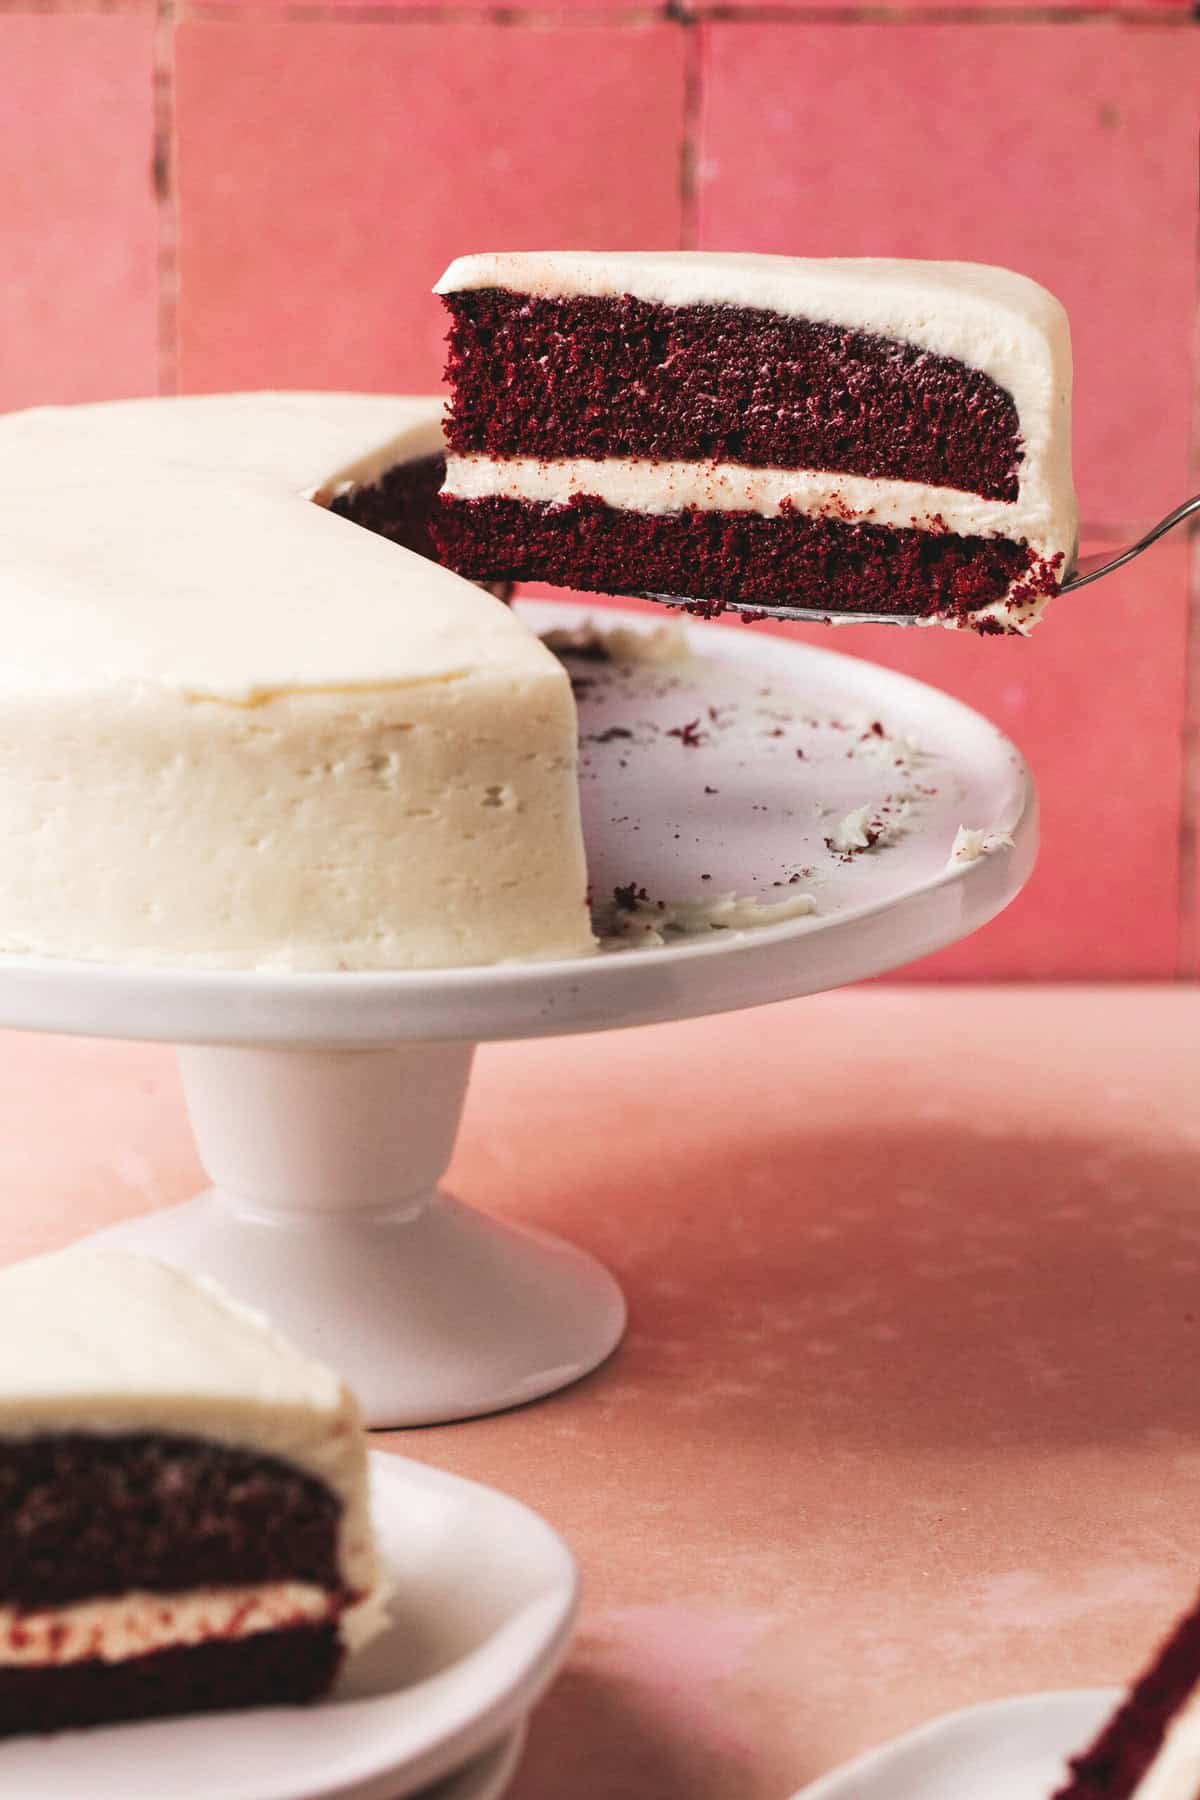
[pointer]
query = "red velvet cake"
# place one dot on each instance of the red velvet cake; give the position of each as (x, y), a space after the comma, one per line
(863, 436)
(1150, 1748)
(183, 1501)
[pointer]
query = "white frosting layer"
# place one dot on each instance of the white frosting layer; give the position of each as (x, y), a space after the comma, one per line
(239, 730)
(1175, 1772)
(140, 1624)
(100, 1341)
(667, 487)
(991, 319)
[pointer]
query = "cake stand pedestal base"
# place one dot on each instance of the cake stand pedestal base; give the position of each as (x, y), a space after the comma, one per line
(325, 1213)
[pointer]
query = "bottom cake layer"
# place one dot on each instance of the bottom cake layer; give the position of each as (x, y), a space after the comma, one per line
(715, 557)
(400, 505)
(271, 1668)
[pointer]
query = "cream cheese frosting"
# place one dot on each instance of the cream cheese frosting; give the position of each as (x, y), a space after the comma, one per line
(666, 487)
(991, 319)
(141, 1624)
(237, 730)
(101, 1341)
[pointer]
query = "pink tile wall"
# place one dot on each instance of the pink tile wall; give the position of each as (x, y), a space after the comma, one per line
(78, 216)
(1068, 152)
(320, 164)
(307, 251)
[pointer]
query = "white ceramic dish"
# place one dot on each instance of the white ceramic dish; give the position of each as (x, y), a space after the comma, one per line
(485, 1602)
(485, 1777)
(1006, 1750)
(325, 1210)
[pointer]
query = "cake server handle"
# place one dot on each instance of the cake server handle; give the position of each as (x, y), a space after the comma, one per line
(1085, 570)
(1091, 568)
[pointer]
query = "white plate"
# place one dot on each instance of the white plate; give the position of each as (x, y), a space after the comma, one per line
(738, 804)
(485, 1777)
(485, 1601)
(1006, 1750)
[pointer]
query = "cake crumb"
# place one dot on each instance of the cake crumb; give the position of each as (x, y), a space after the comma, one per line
(594, 642)
(970, 845)
(649, 922)
(853, 833)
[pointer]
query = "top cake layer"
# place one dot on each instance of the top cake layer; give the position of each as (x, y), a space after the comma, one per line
(173, 543)
(96, 1341)
(950, 375)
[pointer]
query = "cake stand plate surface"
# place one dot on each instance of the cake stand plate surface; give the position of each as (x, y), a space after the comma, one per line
(1005, 1750)
(482, 1616)
(763, 820)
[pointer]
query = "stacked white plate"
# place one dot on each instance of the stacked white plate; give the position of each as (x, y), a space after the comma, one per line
(1004, 1750)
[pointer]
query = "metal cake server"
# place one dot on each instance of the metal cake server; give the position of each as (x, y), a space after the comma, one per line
(1086, 569)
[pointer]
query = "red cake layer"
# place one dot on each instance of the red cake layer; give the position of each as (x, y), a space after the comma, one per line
(1114, 1765)
(270, 1668)
(83, 1516)
(591, 377)
(398, 505)
(717, 557)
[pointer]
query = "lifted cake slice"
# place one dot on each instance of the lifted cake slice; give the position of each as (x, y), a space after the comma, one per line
(857, 434)
(183, 1501)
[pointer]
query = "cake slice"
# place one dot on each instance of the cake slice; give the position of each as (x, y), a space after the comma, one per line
(237, 731)
(1150, 1748)
(183, 1501)
(858, 435)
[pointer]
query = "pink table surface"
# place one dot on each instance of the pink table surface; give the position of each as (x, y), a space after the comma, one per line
(907, 1416)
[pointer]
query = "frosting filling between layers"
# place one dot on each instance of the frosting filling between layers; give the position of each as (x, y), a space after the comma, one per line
(634, 485)
(143, 1624)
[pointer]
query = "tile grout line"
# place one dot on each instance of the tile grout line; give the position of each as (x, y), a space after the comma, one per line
(689, 159)
(722, 12)
(754, 12)
(1189, 812)
(164, 189)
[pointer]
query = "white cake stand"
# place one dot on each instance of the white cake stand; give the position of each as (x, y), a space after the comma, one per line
(325, 1106)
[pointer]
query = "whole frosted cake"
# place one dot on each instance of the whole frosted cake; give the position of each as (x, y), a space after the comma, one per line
(239, 730)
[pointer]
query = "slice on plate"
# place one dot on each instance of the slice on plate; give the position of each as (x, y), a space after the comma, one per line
(1150, 1747)
(183, 1501)
(863, 435)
